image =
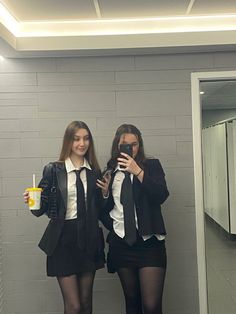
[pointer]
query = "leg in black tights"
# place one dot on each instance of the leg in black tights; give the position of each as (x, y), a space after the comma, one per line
(143, 289)
(130, 283)
(85, 282)
(151, 285)
(70, 292)
(77, 293)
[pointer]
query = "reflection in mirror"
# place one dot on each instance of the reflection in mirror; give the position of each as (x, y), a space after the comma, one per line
(218, 100)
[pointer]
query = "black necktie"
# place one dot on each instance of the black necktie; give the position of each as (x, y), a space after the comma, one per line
(81, 211)
(127, 200)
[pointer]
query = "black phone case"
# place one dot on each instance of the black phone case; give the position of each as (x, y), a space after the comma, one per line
(126, 148)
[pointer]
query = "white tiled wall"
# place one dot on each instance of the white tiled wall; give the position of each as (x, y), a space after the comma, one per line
(38, 98)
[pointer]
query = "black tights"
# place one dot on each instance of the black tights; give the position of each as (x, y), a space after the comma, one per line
(142, 289)
(77, 293)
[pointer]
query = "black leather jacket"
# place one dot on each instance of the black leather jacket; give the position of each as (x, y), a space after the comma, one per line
(53, 231)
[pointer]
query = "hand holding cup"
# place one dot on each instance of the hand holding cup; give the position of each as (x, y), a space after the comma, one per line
(32, 196)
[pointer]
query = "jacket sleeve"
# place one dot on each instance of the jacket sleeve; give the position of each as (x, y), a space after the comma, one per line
(107, 205)
(45, 183)
(154, 183)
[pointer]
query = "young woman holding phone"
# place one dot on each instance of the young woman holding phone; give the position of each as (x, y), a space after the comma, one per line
(132, 213)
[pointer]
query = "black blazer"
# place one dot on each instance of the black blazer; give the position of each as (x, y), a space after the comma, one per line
(148, 196)
(53, 231)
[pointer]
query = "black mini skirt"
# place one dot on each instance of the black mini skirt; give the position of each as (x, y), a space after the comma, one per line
(68, 259)
(149, 253)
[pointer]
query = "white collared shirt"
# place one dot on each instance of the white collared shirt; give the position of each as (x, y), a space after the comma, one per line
(71, 212)
(117, 213)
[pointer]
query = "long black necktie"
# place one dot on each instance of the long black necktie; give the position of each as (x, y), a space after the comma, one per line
(127, 200)
(81, 212)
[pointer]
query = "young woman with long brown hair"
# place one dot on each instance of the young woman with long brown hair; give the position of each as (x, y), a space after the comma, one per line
(73, 240)
(133, 216)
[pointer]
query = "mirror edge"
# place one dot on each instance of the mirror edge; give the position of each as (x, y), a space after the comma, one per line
(196, 78)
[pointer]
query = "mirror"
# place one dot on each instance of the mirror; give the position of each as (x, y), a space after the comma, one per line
(218, 103)
(216, 255)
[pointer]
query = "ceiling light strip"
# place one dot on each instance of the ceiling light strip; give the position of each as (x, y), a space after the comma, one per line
(128, 27)
(176, 24)
(8, 20)
(131, 20)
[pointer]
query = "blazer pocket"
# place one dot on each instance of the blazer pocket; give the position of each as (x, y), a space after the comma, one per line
(51, 236)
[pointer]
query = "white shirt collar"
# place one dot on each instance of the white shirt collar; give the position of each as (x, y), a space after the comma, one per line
(70, 167)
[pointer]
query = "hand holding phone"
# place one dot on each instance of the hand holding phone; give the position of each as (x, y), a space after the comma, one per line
(106, 175)
(104, 182)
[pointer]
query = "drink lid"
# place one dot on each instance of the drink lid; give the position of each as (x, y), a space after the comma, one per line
(34, 189)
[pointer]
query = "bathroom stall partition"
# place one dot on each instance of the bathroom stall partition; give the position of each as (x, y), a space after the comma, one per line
(219, 172)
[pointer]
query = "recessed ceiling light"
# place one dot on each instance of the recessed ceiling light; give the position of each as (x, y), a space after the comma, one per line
(1, 58)
(202, 93)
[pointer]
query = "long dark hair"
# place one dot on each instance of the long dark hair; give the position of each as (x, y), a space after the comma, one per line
(140, 158)
(68, 139)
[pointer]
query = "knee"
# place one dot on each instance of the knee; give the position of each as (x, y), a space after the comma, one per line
(152, 308)
(73, 308)
(132, 299)
(131, 295)
(86, 304)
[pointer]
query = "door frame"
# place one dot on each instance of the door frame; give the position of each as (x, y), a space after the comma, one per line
(196, 79)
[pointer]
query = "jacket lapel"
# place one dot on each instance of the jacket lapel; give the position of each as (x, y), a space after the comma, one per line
(62, 181)
(136, 189)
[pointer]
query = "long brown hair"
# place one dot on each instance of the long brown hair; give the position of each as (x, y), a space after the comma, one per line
(126, 129)
(68, 139)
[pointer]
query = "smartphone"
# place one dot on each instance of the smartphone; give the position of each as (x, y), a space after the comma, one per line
(126, 148)
(106, 174)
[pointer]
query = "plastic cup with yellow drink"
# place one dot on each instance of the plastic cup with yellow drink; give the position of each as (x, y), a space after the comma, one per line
(34, 198)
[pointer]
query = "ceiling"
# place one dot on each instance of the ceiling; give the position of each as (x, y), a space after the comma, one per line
(56, 27)
(58, 10)
(218, 94)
